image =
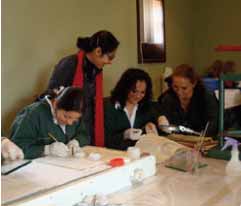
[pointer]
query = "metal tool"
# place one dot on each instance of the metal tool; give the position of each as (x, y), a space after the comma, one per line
(188, 130)
(177, 129)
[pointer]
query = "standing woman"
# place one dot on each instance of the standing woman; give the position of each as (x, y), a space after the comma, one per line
(188, 103)
(129, 110)
(46, 126)
(84, 70)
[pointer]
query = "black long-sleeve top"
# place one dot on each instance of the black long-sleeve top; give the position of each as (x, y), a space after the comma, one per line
(203, 108)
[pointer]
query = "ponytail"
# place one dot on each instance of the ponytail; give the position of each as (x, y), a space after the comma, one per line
(103, 39)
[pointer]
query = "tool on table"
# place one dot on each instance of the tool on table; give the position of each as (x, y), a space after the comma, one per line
(202, 135)
(177, 129)
(189, 161)
(188, 130)
(11, 166)
(196, 163)
(72, 151)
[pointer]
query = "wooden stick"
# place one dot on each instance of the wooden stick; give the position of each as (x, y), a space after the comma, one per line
(51, 136)
(203, 134)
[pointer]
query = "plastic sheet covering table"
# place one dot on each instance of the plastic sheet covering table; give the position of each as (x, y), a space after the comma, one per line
(209, 187)
(67, 181)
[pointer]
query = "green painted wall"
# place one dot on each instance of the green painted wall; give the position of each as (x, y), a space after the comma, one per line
(216, 22)
(36, 34)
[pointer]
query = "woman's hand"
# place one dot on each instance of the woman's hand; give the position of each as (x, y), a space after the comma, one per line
(162, 120)
(73, 146)
(57, 149)
(10, 151)
(151, 128)
(132, 134)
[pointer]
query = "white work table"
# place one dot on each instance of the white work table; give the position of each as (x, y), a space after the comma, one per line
(168, 187)
(209, 187)
(67, 181)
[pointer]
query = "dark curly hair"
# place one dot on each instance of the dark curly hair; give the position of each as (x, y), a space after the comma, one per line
(127, 82)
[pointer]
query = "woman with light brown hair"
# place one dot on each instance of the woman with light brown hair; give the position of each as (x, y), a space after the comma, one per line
(188, 103)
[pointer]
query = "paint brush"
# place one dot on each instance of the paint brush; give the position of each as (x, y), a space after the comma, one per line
(52, 137)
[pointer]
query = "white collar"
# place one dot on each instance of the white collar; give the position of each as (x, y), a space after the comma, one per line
(117, 105)
(130, 118)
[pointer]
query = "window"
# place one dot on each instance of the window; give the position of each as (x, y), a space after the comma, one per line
(150, 31)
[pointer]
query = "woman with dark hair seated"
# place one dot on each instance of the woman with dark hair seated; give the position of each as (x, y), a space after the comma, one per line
(188, 103)
(129, 110)
(46, 126)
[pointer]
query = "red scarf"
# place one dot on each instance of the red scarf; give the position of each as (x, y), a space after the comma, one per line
(99, 113)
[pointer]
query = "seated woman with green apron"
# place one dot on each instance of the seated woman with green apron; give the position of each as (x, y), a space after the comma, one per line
(129, 110)
(51, 126)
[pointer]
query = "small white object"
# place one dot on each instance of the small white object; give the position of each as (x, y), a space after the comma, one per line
(101, 200)
(127, 160)
(79, 154)
(59, 90)
(94, 156)
(138, 176)
(167, 73)
(133, 153)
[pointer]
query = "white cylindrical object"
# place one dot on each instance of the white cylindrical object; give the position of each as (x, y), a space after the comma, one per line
(94, 156)
(138, 175)
(134, 153)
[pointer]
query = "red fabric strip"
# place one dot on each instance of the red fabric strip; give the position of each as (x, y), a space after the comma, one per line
(228, 48)
(99, 112)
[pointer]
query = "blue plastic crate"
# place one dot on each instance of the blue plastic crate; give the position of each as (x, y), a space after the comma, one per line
(211, 84)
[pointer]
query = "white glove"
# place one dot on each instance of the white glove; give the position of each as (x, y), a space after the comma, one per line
(162, 120)
(73, 146)
(58, 149)
(132, 134)
(10, 151)
(151, 128)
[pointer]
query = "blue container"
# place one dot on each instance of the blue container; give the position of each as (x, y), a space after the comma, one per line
(211, 84)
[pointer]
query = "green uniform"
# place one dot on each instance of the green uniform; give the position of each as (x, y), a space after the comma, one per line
(32, 126)
(116, 122)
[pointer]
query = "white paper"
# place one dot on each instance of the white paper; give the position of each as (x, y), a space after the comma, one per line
(33, 178)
